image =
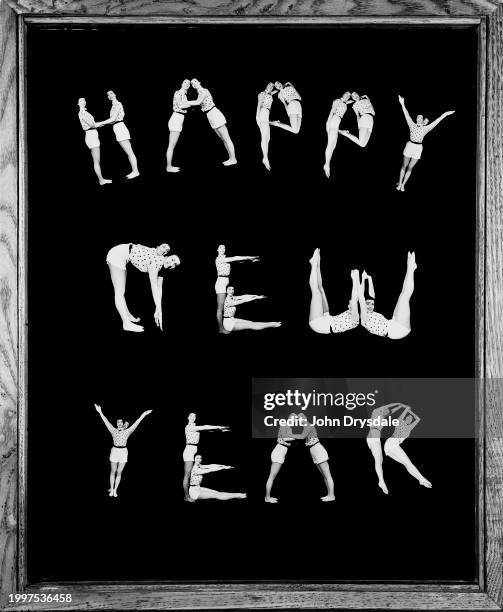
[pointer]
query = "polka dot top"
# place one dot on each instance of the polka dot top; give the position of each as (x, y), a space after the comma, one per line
(117, 111)
(379, 412)
(120, 436)
(364, 106)
(223, 267)
(196, 478)
(288, 94)
(144, 258)
(265, 100)
(311, 435)
(284, 432)
(418, 132)
(179, 98)
(229, 308)
(340, 108)
(191, 435)
(86, 120)
(342, 322)
(207, 103)
(376, 323)
(402, 430)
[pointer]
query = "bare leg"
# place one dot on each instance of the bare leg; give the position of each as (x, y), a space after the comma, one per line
(126, 146)
(119, 282)
(294, 127)
(353, 303)
(223, 134)
(275, 468)
(403, 169)
(220, 313)
(401, 313)
(333, 135)
(241, 324)
(376, 449)
(329, 483)
(130, 316)
(186, 476)
(412, 163)
(113, 471)
(393, 449)
(205, 493)
(173, 139)
(118, 478)
(362, 139)
(95, 154)
(265, 133)
(317, 308)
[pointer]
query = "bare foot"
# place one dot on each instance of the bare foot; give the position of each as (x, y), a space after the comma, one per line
(224, 331)
(110, 492)
(328, 498)
(315, 258)
(411, 260)
(114, 494)
(230, 162)
(326, 170)
(132, 175)
(132, 327)
(271, 500)
(365, 275)
(132, 318)
(189, 499)
(425, 483)
(383, 486)
(398, 185)
(402, 188)
(355, 274)
(266, 163)
(276, 324)
(172, 169)
(242, 495)
(105, 182)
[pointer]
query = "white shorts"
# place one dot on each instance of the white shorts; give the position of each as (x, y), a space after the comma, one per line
(189, 452)
(221, 284)
(216, 118)
(336, 324)
(279, 453)
(228, 323)
(396, 330)
(318, 453)
(118, 256)
(366, 121)
(194, 492)
(92, 139)
(118, 455)
(413, 149)
(121, 131)
(321, 325)
(334, 122)
(175, 124)
(294, 108)
(263, 115)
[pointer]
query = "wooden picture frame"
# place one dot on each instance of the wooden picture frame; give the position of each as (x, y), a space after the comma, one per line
(487, 593)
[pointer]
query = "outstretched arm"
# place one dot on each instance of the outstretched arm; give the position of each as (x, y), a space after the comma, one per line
(137, 422)
(437, 121)
(108, 425)
(242, 299)
(408, 118)
(210, 427)
(239, 258)
(213, 467)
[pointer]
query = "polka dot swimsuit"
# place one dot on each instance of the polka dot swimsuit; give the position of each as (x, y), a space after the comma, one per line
(196, 478)
(117, 111)
(376, 324)
(223, 267)
(120, 436)
(191, 435)
(364, 106)
(289, 93)
(311, 435)
(143, 258)
(340, 108)
(265, 100)
(229, 308)
(207, 103)
(342, 322)
(417, 132)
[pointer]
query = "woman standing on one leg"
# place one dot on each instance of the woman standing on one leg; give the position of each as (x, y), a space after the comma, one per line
(153, 261)
(121, 132)
(392, 447)
(230, 323)
(223, 265)
(319, 456)
(118, 454)
(320, 319)
(92, 139)
(285, 438)
(216, 119)
(374, 440)
(175, 123)
(292, 101)
(399, 325)
(414, 147)
(192, 434)
(337, 112)
(264, 104)
(196, 491)
(365, 114)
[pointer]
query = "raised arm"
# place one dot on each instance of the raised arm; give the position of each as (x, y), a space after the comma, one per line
(137, 422)
(108, 425)
(437, 121)
(408, 118)
(406, 412)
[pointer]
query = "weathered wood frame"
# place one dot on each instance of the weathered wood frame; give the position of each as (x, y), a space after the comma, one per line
(487, 592)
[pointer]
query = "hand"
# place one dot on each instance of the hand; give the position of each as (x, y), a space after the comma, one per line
(260, 297)
(228, 467)
(158, 318)
(449, 113)
(98, 408)
(254, 258)
(400, 99)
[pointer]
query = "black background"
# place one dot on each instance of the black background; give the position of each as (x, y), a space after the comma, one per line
(78, 353)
